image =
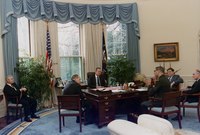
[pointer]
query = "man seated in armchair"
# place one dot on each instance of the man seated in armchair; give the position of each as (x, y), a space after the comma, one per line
(12, 89)
(174, 79)
(195, 88)
(97, 80)
(162, 85)
(73, 87)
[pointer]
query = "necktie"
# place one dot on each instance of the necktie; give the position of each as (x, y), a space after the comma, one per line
(170, 79)
(99, 83)
(13, 87)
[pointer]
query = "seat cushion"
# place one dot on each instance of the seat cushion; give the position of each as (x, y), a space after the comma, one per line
(157, 124)
(167, 109)
(65, 111)
(14, 105)
(124, 127)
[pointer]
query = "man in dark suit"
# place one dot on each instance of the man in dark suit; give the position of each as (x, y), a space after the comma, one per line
(162, 86)
(174, 79)
(195, 87)
(73, 87)
(97, 80)
(12, 89)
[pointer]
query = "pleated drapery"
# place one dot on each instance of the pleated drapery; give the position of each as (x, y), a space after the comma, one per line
(66, 12)
(62, 13)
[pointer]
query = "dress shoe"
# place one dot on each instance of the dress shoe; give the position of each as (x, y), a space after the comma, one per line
(27, 119)
(35, 116)
(176, 118)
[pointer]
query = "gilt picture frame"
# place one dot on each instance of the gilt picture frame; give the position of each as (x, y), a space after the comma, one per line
(166, 52)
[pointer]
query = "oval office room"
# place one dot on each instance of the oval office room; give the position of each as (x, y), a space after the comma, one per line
(47, 39)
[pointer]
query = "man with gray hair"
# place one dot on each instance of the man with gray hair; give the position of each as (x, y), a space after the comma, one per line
(12, 89)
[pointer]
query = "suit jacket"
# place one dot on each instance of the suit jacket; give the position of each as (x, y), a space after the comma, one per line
(194, 89)
(72, 88)
(10, 92)
(92, 81)
(176, 79)
(162, 86)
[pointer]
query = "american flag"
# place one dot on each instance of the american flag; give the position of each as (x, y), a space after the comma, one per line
(104, 57)
(48, 51)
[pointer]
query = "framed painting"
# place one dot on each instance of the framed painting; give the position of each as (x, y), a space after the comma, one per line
(166, 52)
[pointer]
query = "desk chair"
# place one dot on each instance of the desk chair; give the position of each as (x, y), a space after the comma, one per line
(196, 105)
(17, 107)
(170, 105)
(69, 105)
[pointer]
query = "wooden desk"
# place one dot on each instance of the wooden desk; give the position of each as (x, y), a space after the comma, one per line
(104, 103)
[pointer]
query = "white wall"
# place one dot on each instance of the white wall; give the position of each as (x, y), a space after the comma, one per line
(163, 21)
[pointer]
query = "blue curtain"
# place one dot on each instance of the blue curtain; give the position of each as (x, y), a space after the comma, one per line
(133, 45)
(66, 12)
(10, 42)
(63, 13)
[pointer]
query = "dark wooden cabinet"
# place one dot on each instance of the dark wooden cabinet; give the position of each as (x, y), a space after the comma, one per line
(105, 103)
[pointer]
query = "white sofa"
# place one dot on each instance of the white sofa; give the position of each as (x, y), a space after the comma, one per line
(147, 125)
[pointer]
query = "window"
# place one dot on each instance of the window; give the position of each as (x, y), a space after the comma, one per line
(69, 50)
(23, 25)
(117, 39)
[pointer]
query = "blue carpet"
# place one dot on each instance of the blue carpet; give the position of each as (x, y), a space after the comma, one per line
(49, 125)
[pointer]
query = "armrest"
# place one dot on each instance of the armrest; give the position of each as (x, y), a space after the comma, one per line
(185, 95)
(195, 94)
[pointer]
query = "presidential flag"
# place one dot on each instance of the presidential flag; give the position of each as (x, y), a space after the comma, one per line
(104, 57)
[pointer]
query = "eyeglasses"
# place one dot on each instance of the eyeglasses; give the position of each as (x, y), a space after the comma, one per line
(195, 73)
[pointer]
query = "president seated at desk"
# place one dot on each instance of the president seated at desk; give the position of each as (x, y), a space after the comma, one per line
(97, 79)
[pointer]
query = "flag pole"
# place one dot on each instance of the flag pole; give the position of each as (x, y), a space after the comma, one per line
(49, 62)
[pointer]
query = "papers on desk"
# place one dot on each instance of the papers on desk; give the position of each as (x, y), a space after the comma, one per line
(101, 89)
(142, 89)
(115, 91)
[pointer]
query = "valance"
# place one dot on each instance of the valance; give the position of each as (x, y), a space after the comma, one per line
(66, 12)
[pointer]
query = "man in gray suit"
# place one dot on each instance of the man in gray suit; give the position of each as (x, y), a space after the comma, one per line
(174, 79)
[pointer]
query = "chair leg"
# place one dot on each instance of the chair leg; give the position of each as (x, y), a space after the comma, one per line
(198, 113)
(60, 124)
(7, 117)
(184, 111)
(20, 114)
(179, 120)
(16, 116)
(63, 120)
(80, 119)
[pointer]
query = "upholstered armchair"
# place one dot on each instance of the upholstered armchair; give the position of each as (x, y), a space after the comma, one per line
(147, 125)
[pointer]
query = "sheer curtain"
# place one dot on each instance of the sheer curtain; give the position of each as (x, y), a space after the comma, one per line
(91, 45)
(38, 42)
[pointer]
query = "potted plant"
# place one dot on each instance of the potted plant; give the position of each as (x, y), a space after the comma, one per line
(120, 70)
(34, 76)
